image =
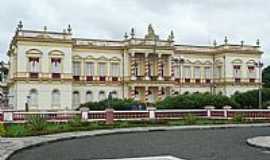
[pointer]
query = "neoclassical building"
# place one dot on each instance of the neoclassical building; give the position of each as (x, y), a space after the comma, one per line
(55, 71)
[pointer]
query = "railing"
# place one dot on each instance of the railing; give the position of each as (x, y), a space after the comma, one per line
(150, 113)
(50, 116)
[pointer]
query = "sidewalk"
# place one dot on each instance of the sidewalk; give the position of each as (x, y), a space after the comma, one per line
(261, 142)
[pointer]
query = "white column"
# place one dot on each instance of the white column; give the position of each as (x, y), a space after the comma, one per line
(160, 77)
(147, 67)
(132, 67)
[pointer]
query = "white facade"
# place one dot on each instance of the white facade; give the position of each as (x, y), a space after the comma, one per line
(54, 71)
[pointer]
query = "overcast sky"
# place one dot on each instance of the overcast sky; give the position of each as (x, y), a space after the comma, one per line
(194, 22)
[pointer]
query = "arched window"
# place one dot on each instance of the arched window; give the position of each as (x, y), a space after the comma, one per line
(114, 94)
(33, 95)
(76, 99)
(101, 96)
(89, 96)
(56, 98)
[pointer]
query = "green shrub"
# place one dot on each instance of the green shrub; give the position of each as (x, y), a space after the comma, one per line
(195, 101)
(37, 123)
(76, 122)
(2, 130)
(17, 130)
(190, 119)
(117, 104)
(238, 118)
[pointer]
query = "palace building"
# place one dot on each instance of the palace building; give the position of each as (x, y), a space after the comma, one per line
(55, 71)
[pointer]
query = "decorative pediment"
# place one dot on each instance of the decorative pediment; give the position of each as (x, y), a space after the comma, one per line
(208, 63)
(218, 62)
(56, 53)
(187, 61)
(115, 59)
(33, 52)
(237, 61)
(198, 62)
(251, 62)
(90, 57)
(102, 58)
(76, 57)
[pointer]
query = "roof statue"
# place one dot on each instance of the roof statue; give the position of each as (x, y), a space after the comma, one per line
(151, 33)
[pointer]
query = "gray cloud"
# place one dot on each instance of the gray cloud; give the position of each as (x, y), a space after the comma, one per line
(194, 22)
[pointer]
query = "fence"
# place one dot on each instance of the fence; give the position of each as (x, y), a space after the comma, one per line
(110, 115)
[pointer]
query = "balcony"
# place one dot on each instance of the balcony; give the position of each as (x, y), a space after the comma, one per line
(208, 81)
(76, 78)
(237, 80)
(89, 78)
(114, 78)
(252, 80)
(33, 75)
(56, 75)
(102, 78)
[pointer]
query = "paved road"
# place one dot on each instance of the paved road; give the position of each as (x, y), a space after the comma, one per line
(206, 144)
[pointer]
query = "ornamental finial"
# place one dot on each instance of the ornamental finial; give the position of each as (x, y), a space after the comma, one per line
(258, 42)
(172, 35)
(69, 29)
(20, 25)
(132, 33)
(45, 28)
(126, 35)
(242, 43)
(226, 40)
(215, 43)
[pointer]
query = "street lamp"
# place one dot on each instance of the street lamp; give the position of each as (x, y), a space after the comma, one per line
(259, 65)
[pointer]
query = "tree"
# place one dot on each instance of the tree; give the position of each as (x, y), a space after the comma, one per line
(266, 77)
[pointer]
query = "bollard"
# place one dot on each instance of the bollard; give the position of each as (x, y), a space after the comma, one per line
(84, 113)
(109, 116)
(208, 110)
(151, 111)
(226, 108)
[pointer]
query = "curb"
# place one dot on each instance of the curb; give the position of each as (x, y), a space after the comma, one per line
(20, 144)
(259, 142)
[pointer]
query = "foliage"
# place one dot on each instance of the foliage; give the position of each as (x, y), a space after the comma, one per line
(238, 118)
(75, 122)
(249, 99)
(190, 119)
(117, 104)
(266, 77)
(195, 101)
(37, 123)
(17, 130)
(2, 130)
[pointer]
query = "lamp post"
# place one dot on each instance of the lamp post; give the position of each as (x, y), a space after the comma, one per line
(259, 65)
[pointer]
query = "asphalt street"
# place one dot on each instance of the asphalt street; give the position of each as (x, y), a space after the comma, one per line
(204, 144)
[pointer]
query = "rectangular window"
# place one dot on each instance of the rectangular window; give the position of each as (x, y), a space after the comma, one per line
(218, 73)
(187, 72)
(89, 69)
(197, 72)
(207, 72)
(115, 70)
(56, 65)
(236, 71)
(34, 65)
(251, 72)
(76, 68)
(102, 69)
(177, 71)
